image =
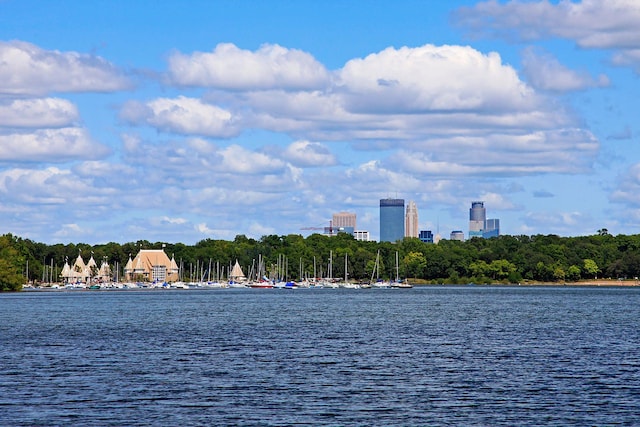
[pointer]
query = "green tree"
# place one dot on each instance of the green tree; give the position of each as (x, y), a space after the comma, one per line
(414, 264)
(591, 268)
(573, 273)
(11, 264)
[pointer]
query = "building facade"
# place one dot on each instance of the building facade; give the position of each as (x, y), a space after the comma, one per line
(361, 235)
(426, 236)
(479, 225)
(85, 273)
(411, 220)
(492, 228)
(151, 265)
(344, 219)
(457, 235)
(391, 220)
(477, 219)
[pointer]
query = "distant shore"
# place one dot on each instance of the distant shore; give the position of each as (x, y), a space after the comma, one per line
(594, 282)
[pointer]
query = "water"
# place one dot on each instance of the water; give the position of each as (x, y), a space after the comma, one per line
(423, 356)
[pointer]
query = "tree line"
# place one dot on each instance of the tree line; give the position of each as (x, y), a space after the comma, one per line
(504, 259)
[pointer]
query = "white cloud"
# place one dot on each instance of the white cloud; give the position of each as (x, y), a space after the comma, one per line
(178, 221)
(182, 115)
(432, 79)
(593, 24)
(29, 70)
(449, 98)
(50, 145)
(37, 112)
(561, 223)
(204, 229)
(237, 159)
(628, 188)
(229, 67)
(309, 154)
(51, 186)
(545, 72)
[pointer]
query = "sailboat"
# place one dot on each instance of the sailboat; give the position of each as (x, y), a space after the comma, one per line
(401, 284)
(375, 273)
(347, 284)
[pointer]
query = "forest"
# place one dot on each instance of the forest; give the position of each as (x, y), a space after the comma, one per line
(504, 259)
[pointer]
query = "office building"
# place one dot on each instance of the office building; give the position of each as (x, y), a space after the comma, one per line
(492, 228)
(391, 220)
(426, 236)
(411, 220)
(344, 219)
(479, 225)
(361, 235)
(477, 219)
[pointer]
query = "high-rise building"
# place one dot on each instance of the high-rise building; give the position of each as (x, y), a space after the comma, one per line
(477, 219)
(411, 220)
(426, 236)
(492, 228)
(391, 220)
(479, 225)
(344, 219)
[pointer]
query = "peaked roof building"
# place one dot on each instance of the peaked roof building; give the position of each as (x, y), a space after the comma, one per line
(151, 265)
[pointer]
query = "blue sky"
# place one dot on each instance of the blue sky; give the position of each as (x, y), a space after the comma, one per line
(181, 121)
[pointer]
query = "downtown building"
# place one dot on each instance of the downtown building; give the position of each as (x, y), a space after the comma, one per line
(479, 225)
(392, 219)
(411, 220)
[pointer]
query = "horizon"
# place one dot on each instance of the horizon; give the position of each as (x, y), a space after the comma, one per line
(128, 121)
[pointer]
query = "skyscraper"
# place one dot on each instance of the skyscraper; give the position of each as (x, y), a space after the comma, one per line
(492, 228)
(479, 225)
(344, 219)
(477, 219)
(391, 220)
(411, 220)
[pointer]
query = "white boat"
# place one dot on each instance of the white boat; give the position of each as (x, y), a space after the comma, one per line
(346, 284)
(400, 284)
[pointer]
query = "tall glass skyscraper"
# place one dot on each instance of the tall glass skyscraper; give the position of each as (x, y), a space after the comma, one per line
(391, 220)
(477, 219)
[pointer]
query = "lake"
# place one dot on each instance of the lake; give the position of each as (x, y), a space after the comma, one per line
(468, 355)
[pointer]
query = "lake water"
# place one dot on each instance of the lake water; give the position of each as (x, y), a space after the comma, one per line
(472, 356)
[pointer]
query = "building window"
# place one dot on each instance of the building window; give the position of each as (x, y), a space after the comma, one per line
(159, 273)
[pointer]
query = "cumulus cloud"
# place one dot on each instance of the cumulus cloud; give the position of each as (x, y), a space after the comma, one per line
(432, 79)
(449, 109)
(182, 115)
(50, 146)
(29, 70)
(545, 72)
(237, 159)
(37, 112)
(592, 24)
(229, 67)
(49, 186)
(309, 154)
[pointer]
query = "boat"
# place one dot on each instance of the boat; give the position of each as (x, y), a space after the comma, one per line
(346, 284)
(380, 284)
(400, 284)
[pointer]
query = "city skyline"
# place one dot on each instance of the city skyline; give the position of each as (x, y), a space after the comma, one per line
(122, 121)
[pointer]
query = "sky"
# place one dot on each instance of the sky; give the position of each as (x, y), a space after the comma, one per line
(173, 121)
